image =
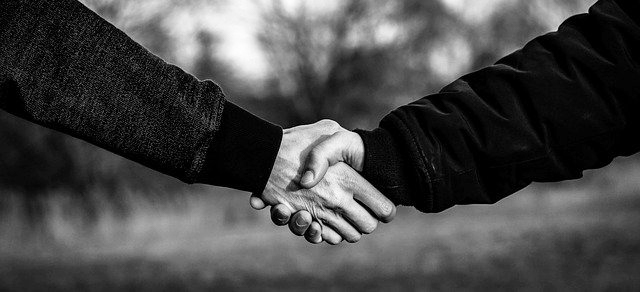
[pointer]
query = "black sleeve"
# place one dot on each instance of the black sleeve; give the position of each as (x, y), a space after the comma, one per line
(566, 102)
(64, 67)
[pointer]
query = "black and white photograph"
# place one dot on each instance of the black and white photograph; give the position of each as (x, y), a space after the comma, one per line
(335, 145)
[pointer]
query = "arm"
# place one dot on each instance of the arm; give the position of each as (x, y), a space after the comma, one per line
(566, 102)
(64, 67)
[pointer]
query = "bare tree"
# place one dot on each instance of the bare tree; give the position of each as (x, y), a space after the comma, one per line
(357, 61)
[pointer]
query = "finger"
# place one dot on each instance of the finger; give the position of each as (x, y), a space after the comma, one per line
(280, 214)
(373, 199)
(314, 233)
(340, 225)
(330, 236)
(256, 202)
(300, 222)
(323, 155)
(359, 217)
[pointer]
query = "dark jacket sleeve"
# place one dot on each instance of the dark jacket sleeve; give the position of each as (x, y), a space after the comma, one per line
(566, 102)
(64, 67)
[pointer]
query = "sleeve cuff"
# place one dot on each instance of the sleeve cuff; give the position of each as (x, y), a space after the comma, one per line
(385, 166)
(243, 151)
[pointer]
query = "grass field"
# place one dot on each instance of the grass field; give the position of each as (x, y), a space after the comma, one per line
(573, 237)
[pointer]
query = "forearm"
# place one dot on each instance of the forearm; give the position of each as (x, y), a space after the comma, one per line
(564, 103)
(64, 67)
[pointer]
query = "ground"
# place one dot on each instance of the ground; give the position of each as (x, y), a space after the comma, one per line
(572, 238)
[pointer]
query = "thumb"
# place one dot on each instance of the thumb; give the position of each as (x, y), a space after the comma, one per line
(323, 155)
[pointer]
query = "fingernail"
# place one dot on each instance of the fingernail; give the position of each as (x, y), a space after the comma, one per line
(281, 217)
(300, 222)
(307, 178)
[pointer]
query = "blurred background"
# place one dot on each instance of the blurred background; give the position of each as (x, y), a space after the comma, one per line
(75, 217)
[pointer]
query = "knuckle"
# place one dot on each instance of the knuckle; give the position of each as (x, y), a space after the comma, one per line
(335, 206)
(328, 122)
(343, 199)
(331, 203)
(338, 204)
(330, 125)
(324, 221)
(306, 216)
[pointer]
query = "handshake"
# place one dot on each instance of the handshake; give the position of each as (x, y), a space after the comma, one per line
(564, 103)
(316, 189)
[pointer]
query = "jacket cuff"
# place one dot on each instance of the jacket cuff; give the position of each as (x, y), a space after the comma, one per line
(243, 151)
(385, 167)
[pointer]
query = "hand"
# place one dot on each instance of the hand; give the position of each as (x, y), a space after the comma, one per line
(330, 201)
(342, 146)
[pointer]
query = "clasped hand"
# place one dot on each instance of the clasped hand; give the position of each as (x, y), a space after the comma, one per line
(316, 189)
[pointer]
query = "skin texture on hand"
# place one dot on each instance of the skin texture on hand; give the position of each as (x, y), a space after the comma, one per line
(342, 146)
(330, 210)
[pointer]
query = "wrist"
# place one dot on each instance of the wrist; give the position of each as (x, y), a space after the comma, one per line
(243, 151)
(386, 167)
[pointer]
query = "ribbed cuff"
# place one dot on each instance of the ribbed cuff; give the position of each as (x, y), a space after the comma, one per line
(385, 166)
(243, 151)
